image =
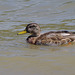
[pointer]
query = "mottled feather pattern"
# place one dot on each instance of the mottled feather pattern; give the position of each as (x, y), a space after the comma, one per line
(52, 38)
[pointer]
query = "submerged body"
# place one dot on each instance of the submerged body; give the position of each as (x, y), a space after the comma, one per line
(50, 38)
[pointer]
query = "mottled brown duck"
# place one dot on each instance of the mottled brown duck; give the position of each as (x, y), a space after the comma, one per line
(52, 38)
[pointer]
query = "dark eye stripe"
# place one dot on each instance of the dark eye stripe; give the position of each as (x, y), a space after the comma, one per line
(31, 26)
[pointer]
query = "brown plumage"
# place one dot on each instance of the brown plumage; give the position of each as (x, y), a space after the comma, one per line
(50, 38)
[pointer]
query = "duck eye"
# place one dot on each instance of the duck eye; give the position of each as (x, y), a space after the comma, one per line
(30, 27)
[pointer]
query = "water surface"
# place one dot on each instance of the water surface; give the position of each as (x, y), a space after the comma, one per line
(17, 57)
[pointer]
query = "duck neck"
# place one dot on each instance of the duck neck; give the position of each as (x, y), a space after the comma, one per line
(35, 34)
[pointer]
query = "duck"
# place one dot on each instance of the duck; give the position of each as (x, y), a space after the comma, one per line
(51, 38)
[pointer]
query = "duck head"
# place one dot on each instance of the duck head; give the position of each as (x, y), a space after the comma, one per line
(32, 28)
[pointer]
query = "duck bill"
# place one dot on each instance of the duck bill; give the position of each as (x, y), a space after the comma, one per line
(22, 32)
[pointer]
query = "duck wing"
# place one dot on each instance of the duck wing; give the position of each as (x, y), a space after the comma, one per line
(55, 38)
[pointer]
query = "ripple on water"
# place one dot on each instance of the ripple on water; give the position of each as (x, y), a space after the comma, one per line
(18, 57)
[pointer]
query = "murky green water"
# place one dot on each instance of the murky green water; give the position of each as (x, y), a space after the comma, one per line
(17, 57)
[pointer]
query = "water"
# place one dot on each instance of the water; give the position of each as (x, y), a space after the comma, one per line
(17, 57)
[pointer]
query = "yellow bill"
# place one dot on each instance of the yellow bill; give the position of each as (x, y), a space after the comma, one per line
(22, 32)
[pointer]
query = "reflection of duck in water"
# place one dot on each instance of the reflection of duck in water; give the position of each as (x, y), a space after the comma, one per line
(50, 38)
